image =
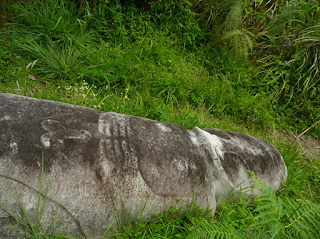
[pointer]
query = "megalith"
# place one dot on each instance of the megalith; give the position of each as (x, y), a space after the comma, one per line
(99, 167)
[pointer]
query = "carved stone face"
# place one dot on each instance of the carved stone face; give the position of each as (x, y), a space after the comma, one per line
(168, 160)
(162, 153)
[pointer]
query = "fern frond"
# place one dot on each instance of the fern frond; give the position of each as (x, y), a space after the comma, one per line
(240, 41)
(286, 217)
(234, 17)
(239, 38)
(216, 230)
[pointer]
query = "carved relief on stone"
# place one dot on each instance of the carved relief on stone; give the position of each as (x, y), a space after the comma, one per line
(57, 134)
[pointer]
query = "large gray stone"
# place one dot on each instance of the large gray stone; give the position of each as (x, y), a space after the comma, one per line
(99, 163)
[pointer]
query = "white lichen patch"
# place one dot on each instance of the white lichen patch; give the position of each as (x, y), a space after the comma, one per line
(213, 143)
(14, 147)
(245, 146)
(45, 140)
(163, 128)
(193, 138)
(6, 117)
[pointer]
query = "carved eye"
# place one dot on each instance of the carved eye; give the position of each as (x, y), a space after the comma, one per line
(180, 165)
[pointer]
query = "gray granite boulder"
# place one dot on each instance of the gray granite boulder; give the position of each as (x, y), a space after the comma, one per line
(100, 163)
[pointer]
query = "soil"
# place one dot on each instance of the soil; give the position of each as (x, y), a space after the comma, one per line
(309, 146)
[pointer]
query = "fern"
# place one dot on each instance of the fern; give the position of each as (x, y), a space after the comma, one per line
(215, 230)
(240, 41)
(274, 217)
(234, 17)
(238, 37)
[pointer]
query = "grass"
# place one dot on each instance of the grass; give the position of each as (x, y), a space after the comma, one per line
(167, 62)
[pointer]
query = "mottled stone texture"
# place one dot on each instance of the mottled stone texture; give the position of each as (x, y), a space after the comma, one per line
(98, 161)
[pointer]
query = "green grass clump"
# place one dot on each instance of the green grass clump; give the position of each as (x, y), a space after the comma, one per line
(250, 67)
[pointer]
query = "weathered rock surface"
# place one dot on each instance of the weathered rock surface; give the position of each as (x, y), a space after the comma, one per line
(95, 161)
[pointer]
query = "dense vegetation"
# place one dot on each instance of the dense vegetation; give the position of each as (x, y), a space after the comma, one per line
(248, 66)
